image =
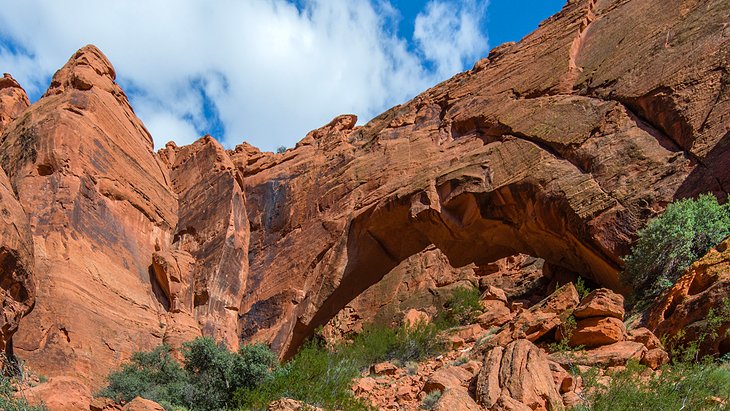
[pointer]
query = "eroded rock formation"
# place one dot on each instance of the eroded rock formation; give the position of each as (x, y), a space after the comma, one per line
(132, 248)
(559, 147)
(685, 307)
(564, 162)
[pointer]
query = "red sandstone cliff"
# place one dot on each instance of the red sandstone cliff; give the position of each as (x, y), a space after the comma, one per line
(559, 147)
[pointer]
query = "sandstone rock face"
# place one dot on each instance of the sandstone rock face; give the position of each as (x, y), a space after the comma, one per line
(519, 372)
(13, 100)
(705, 286)
(17, 285)
(560, 147)
(213, 228)
(421, 282)
(520, 276)
(133, 249)
(98, 204)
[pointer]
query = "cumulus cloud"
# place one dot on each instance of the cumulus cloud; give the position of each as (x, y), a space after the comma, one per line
(262, 71)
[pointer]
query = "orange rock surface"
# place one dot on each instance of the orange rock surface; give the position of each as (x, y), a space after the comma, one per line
(684, 307)
(558, 147)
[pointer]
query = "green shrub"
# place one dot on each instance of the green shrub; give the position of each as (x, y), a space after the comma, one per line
(216, 373)
(154, 375)
(671, 242)
(688, 386)
(208, 380)
(323, 377)
(567, 326)
(581, 287)
(430, 400)
(463, 307)
(8, 400)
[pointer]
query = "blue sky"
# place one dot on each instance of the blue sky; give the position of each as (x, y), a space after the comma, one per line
(268, 71)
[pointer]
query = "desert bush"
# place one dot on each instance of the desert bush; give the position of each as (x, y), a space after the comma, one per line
(8, 399)
(208, 379)
(581, 287)
(671, 242)
(216, 373)
(430, 400)
(154, 375)
(323, 377)
(462, 307)
(681, 386)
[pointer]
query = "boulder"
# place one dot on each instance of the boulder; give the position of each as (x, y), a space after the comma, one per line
(519, 372)
(415, 317)
(383, 368)
(288, 404)
(596, 331)
(562, 378)
(493, 293)
(539, 319)
(646, 337)
(655, 358)
(446, 378)
(142, 404)
(616, 354)
(454, 399)
(495, 313)
(60, 394)
(104, 404)
(601, 303)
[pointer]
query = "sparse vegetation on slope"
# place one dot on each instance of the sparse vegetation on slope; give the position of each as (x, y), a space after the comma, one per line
(681, 386)
(8, 399)
(323, 377)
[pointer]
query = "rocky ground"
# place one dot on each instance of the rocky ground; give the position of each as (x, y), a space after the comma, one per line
(514, 366)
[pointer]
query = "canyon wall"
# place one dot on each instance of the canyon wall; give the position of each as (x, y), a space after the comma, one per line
(559, 147)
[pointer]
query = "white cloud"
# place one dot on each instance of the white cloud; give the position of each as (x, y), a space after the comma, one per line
(448, 35)
(269, 70)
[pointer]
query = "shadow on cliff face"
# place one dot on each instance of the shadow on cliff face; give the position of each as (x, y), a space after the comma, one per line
(715, 169)
(467, 227)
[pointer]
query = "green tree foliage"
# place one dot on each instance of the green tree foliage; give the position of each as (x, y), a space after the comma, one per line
(209, 377)
(671, 242)
(153, 375)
